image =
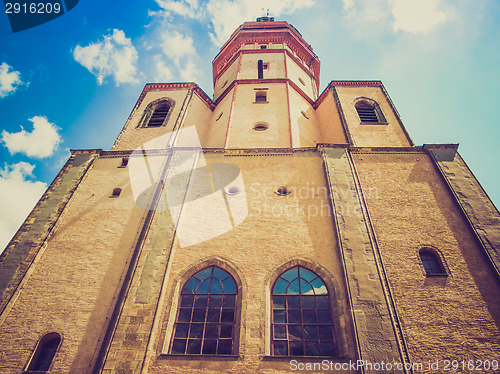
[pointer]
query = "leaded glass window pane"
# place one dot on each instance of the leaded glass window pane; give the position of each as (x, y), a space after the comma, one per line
(301, 317)
(431, 262)
(207, 314)
(45, 352)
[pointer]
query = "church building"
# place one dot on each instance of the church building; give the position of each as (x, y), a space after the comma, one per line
(271, 228)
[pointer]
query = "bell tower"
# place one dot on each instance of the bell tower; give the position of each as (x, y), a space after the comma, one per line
(266, 78)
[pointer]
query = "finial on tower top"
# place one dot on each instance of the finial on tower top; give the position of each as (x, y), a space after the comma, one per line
(265, 18)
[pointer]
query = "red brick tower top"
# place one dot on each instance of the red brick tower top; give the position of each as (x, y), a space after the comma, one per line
(267, 36)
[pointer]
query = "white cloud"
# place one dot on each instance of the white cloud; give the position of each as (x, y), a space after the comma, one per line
(9, 80)
(177, 46)
(363, 14)
(179, 49)
(115, 55)
(163, 72)
(18, 195)
(367, 17)
(189, 72)
(224, 16)
(219, 18)
(187, 8)
(416, 16)
(41, 142)
(227, 15)
(348, 4)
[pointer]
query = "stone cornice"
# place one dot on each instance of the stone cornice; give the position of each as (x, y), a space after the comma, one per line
(263, 151)
(254, 51)
(356, 83)
(150, 87)
(263, 82)
(345, 84)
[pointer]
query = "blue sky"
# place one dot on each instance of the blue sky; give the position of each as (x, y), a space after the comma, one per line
(71, 83)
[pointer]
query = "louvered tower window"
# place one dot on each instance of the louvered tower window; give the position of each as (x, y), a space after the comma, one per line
(367, 113)
(159, 115)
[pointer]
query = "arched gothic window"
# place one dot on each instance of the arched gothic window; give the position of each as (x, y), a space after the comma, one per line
(45, 352)
(159, 114)
(301, 315)
(431, 262)
(156, 113)
(206, 320)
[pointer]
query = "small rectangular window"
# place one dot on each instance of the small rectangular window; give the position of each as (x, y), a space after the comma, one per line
(124, 162)
(260, 97)
(263, 46)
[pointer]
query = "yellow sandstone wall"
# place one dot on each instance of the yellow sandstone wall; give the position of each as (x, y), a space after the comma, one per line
(227, 77)
(329, 123)
(371, 135)
(454, 317)
(305, 131)
(198, 113)
(249, 62)
(216, 133)
(72, 284)
(296, 74)
(279, 232)
(247, 113)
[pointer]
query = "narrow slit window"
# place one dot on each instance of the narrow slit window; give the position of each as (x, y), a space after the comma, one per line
(124, 162)
(206, 319)
(260, 69)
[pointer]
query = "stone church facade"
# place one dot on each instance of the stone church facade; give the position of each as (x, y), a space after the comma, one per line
(268, 229)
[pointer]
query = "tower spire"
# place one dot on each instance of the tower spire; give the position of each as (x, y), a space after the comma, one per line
(265, 18)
